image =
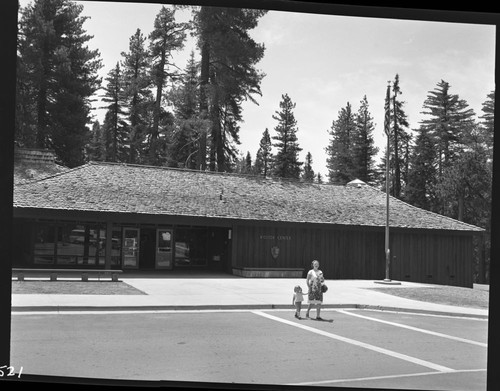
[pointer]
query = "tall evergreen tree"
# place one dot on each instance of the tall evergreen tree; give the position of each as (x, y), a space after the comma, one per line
(466, 187)
(308, 174)
(96, 149)
(189, 127)
(227, 76)
(115, 124)
(59, 76)
(364, 150)
(449, 120)
(448, 116)
(340, 161)
(420, 189)
(487, 124)
(487, 130)
(264, 157)
(400, 139)
(26, 96)
(248, 163)
(242, 164)
(167, 37)
(286, 161)
(138, 96)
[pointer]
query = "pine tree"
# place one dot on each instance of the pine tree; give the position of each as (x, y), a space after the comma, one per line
(364, 150)
(420, 189)
(96, 147)
(286, 161)
(115, 125)
(189, 127)
(248, 164)
(227, 76)
(138, 96)
(466, 186)
(264, 158)
(487, 125)
(167, 37)
(483, 212)
(58, 76)
(450, 119)
(400, 139)
(448, 115)
(340, 161)
(25, 117)
(308, 174)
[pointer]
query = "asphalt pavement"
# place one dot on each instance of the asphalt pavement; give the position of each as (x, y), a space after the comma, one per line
(224, 291)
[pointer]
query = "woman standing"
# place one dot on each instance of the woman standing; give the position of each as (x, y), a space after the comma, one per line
(314, 281)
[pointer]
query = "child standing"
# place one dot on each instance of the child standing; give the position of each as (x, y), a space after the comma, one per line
(298, 298)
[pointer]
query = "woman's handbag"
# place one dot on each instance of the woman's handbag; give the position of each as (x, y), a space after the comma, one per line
(324, 288)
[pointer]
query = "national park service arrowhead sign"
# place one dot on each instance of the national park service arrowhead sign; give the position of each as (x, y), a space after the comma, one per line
(275, 251)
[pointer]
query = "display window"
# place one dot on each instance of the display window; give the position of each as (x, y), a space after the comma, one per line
(44, 246)
(70, 244)
(191, 247)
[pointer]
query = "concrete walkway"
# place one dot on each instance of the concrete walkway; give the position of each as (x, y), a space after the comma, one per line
(232, 292)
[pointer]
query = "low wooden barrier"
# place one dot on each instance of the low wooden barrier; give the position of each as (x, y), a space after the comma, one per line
(20, 273)
(263, 272)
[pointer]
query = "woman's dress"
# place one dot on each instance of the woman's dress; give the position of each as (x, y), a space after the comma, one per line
(315, 280)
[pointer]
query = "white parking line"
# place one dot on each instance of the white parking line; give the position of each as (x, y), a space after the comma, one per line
(123, 312)
(415, 329)
(377, 349)
(313, 383)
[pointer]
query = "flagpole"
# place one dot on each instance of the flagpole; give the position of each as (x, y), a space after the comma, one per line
(387, 126)
(387, 181)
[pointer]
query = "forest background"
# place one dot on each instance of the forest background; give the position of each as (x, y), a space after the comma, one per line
(154, 106)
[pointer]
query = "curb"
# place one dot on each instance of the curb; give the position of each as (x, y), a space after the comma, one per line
(62, 309)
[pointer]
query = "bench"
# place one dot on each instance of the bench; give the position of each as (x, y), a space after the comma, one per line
(20, 273)
(271, 272)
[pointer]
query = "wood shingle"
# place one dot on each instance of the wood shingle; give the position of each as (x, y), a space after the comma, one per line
(123, 188)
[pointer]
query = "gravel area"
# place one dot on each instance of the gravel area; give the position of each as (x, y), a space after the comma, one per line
(74, 288)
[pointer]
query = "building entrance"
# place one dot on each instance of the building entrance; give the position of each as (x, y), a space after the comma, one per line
(130, 248)
(147, 248)
(179, 247)
(163, 255)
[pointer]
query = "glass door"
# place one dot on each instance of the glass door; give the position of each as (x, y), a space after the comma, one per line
(163, 248)
(130, 249)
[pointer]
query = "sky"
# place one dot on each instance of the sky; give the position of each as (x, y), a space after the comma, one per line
(325, 61)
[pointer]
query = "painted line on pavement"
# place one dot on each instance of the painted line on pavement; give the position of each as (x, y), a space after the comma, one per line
(416, 313)
(312, 383)
(415, 329)
(124, 312)
(377, 349)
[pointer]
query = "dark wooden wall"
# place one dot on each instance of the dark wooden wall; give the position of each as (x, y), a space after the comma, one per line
(433, 258)
(358, 252)
(436, 257)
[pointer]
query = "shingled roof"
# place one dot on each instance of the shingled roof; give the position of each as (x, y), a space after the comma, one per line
(123, 188)
(34, 164)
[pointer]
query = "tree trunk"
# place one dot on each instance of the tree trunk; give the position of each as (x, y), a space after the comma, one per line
(160, 81)
(204, 75)
(461, 207)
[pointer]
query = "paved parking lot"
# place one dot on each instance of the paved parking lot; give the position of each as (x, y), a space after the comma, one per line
(352, 347)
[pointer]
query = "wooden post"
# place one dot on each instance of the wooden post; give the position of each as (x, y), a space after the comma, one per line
(109, 245)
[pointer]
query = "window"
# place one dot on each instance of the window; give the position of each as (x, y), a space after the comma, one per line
(116, 247)
(70, 244)
(191, 247)
(44, 248)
